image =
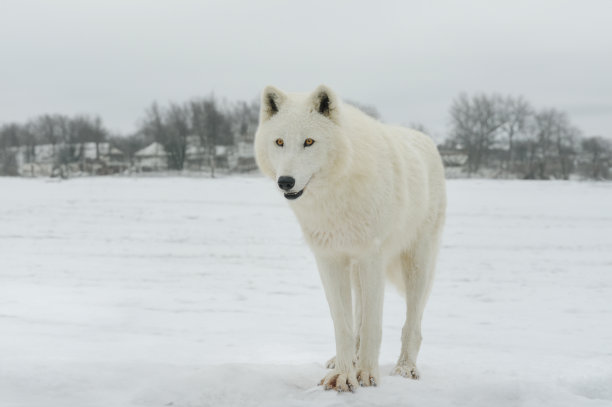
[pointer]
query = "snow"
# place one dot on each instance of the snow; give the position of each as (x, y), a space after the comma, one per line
(200, 292)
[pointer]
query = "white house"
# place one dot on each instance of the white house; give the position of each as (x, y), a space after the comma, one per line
(246, 156)
(152, 158)
(62, 158)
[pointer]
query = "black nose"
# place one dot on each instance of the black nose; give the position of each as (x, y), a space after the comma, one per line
(285, 182)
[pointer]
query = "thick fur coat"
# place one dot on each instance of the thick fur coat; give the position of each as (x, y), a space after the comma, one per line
(370, 199)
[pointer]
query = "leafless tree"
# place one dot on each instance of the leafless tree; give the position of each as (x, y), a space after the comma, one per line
(211, 125)
(551, 141)
(567, 148)
(28, 139)
(170, 128)
(153, 125)
(244, 118)
(597, 157)
(85, 129)
(199, 125)
(516, 113)
(475, 124)
(177, 130)
(9, 139)
(9, 135)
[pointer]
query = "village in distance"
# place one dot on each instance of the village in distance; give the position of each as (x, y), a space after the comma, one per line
(90, 158)
(490, 136)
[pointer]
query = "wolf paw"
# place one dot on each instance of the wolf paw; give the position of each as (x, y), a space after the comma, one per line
(331, 364)
(367, 377)
(340, 381)
(406, 370)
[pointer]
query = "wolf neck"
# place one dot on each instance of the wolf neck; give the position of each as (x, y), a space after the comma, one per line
(329, 217)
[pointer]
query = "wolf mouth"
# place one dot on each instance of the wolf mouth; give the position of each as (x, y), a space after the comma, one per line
(293, 195)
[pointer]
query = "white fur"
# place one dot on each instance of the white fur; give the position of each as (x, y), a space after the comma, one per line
(373, 204)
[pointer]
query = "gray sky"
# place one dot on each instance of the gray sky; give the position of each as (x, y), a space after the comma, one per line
(407, 58)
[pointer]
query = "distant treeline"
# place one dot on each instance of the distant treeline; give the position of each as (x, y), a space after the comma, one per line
(504, 136)
(490, 136)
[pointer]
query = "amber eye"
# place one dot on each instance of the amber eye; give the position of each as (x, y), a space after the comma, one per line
(279, 142)
(308, 142)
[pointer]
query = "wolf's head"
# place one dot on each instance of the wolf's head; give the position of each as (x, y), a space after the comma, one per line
(300, 141)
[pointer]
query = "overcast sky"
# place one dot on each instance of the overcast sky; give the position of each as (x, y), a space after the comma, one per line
(407, 58)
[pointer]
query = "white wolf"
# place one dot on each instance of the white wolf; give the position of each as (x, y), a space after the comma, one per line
(370, 199)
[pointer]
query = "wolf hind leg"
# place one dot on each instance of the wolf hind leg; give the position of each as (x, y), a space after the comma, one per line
(418, 266)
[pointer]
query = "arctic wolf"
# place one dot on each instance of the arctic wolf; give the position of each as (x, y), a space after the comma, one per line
(370, 199)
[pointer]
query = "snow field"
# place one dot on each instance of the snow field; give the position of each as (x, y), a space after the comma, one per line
(200, 292)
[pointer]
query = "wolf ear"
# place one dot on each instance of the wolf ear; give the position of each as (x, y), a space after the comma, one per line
(325, 102)
(271, 101)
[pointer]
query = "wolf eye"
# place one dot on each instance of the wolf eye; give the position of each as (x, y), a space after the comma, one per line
(279, 142)
(308, 142)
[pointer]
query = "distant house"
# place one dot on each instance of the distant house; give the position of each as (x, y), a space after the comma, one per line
(246, 156)
(225, 157)
(453, 157)
(151, 158)
(100, 158)
(195, 154)
(65, 158)
(36, 160)
(103, 151)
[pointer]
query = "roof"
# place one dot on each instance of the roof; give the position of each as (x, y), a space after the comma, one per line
(115, 151)
(154, 149)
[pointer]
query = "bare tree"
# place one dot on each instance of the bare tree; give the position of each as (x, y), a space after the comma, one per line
(53, 129)
(27, 138)
(9, 135)
(9, 140)
(551, 141)
(168, 129)
(177, 130)
(153, 125)
(198, 124)
(85, 129)
(95, 132)
(516, 113)
(597, 157)
(243, 119)
(475, 124)
(567, 148)
(212, 126)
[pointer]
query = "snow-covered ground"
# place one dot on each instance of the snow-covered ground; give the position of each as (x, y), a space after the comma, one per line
(199, 292)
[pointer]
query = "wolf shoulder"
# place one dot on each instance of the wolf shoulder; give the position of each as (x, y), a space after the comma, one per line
(412, 145)
(417, 141)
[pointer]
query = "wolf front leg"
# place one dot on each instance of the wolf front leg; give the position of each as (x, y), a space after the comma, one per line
(335, 275)
(331, 363)
(369, 271)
